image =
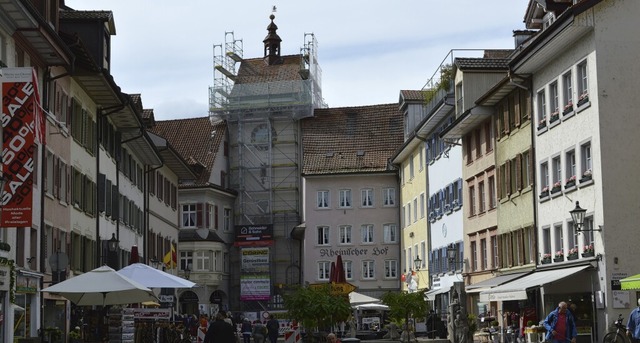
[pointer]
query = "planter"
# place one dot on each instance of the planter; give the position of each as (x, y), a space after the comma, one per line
(558, 259)
(554, 118)
(585, 179)
(544, 194)
(555, 189)
(567, 110)
(570, 184)
(572, 257)
(545, 260)
(583, 100)
(542, 126)
(587, 254)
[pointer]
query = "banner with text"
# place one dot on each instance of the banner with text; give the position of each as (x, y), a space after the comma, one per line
(255, 260)
(22, 125)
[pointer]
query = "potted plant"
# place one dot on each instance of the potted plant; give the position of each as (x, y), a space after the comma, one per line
(573, 254)
(545, 192)
(586, 176)
(568, 107)
(571, 182)
(556, 187)
(75, 336)
(546, 258)
(588, 250)
(542, 123)
(559, 256)
(554, 116)
(584, 97)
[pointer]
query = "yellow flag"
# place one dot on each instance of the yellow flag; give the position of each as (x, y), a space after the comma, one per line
(170, 259)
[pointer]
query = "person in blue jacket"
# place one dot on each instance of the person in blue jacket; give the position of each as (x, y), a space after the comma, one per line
(560, 325)
(633, 325)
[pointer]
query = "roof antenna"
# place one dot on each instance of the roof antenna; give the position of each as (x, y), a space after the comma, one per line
(274, 9)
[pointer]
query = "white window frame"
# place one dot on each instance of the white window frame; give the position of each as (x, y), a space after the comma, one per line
(345, 232)
(323, 199)
(367, 197)
(567, 88)
(542, 107)
(190, 214)
(389, 195)
(570, 164)
(553, 97)
(390, 233)
(345, 198)
(348, 269)
(368, 269)
(366, 233)
(322, 235)
(201, 261)
(391, 269)
(583, 78)
(586, 157)
(226, 224)
(324, 270)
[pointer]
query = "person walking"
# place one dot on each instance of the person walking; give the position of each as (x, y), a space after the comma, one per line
(259, 332)
(273, 329)
(633, 325)
(560, 325)
(220, 330)
(246, 330)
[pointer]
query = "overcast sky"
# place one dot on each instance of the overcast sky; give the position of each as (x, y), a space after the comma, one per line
(368, 49)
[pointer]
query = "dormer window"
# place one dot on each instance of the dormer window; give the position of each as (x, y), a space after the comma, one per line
(548, 19)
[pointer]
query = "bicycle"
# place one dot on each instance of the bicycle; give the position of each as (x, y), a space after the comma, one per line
(618, 336)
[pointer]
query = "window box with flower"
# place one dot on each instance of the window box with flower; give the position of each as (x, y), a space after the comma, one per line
(583, 99)
(573, 254)
(588, 251)
(546, 258)
(559, 256)
(557, 186)
(570, 182)
(542, 124)
(554, 116)
(586, 176)
(544, 192)
(568, 108)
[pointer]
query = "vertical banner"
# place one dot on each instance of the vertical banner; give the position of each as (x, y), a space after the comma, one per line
(22, 126)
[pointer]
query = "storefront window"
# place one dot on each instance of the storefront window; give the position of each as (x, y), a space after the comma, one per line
(20, 313)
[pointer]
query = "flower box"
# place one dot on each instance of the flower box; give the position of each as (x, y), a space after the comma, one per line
(570, 184)
(568, 108)
(554, 116)
(558, 259)
(545, 260)
(572, 257)
(544, 194)
(584, 98)
(587, 254)
(556, 189)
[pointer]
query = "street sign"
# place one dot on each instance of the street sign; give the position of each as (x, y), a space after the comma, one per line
(336, 288)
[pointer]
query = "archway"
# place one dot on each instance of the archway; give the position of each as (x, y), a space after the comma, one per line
(189, 303)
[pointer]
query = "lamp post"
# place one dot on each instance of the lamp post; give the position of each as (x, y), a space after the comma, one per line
(112, 246)
(417, 263)
(154, 262)
(452, 255)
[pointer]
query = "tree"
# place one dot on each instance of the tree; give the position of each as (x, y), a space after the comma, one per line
(403, 305)
(316, 308)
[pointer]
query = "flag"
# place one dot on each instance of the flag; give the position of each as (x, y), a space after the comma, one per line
(171, 259)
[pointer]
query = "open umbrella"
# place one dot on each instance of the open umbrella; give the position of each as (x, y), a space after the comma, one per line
(340, 276)
(356, 298)
(154, 278)
(631, 282)
(102, 286)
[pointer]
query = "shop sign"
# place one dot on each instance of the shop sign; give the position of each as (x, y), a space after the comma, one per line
(615, 281)
(152, 313)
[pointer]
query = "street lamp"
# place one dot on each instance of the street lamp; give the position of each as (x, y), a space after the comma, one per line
(187, 271)
(112, 246)
(154, 262)
(577, 215)
(417, 263)
(452, 255)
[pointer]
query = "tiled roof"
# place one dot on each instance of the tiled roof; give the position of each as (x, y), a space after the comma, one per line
(351, 139)
(412, 95)
(256, 70)
(196, 139)
(482, 63)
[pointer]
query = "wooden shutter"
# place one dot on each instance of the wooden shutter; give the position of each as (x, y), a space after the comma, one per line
(199, 216)
(519, 185)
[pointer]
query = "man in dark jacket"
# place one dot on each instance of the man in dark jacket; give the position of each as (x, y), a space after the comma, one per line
(273, 329)
(220, 330)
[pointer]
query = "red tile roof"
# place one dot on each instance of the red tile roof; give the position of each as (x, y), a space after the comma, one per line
(351, 139)
(256, 70)
(196, 139)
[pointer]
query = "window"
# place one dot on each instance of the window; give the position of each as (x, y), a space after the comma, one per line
(415, 210)
(544, 175)
(481, 197)
(422, 205)
(421, 158)
(186, 260)
(478, 138)
(483, 254)
(202, 261)
(390, 232)
(472, 201)
(494, 247)
(557, 170)
(348, 269)
(411, 174)
(345, 198)
(324, 268)
(567, 91)
(559, 237)
(553, 98)
(367, 233)
(345, 234)
(526, 169)
(492, 192)
(583, 82)
(474, 256)
(390, 269)
(323, 199)
(546, 240)
(408, 214)
(572, 237)
(367, 197)
(586, 163)
(542, 108)
(504, 184)
(488, 136)
(189, 216)
(227, 219)
(587, 236)
(570, 164)
(368, 270)
(323, 235)
(389, 195)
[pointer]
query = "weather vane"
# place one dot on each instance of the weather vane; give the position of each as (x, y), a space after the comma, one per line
(274, 9)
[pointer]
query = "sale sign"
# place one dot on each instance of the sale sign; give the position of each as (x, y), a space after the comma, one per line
(22, 125)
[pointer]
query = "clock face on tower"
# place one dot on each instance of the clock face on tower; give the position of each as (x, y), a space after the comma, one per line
(444, 230)
(260, 136)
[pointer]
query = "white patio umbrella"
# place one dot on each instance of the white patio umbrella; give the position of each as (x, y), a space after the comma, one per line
(102, 286)
(356, 298)
(154, 278)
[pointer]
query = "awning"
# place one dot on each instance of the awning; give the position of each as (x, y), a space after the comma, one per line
(517, 289)
(431, 295)
(631, 282)
(493, 282)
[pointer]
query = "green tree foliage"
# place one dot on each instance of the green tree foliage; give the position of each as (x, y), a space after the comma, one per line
(317, 307)
(403, 306)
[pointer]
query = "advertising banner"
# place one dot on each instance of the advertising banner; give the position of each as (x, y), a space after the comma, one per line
(255, 287)
(22, 126)
(255, 260)
(254, 235)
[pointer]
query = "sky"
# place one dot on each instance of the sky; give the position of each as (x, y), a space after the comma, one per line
(368, 50)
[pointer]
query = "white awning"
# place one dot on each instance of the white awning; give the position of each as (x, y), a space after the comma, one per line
(493, 282)
(431, 295)
(517, 289)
